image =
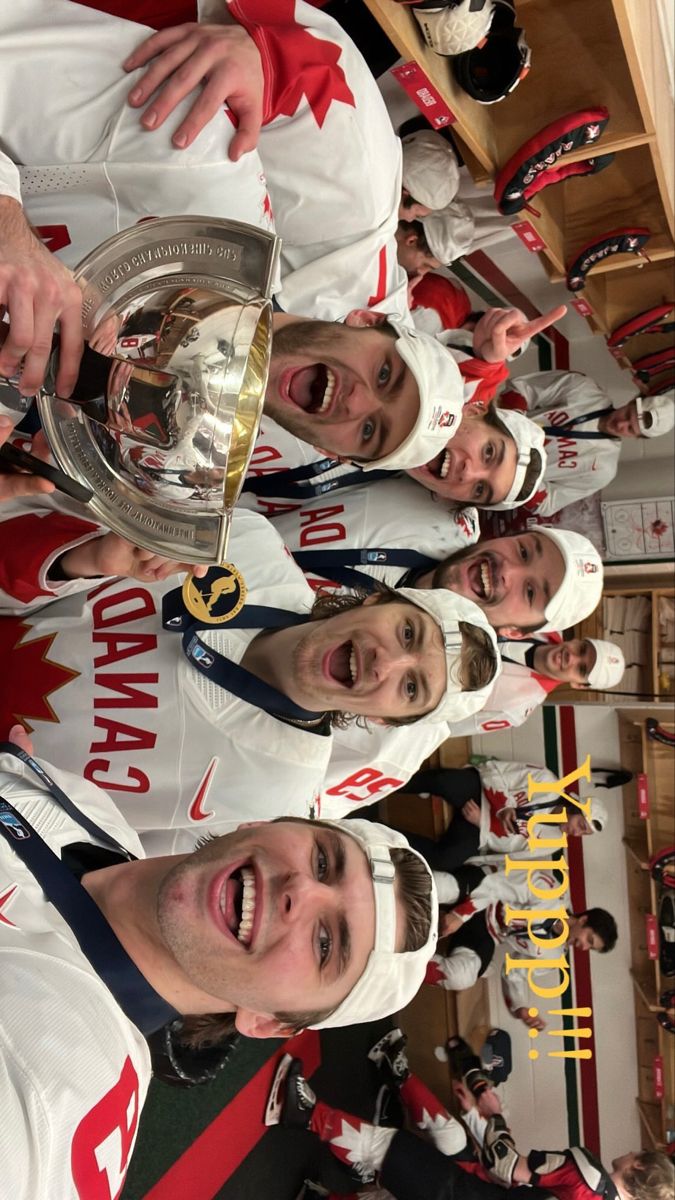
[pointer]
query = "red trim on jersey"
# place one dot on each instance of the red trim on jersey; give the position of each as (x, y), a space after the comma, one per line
(158, 14)
(446, 298)
(210, 1160)
(27, 542)
(434, 974)
(513, 400)
(487, 377)
(295, 63)
(381, 289)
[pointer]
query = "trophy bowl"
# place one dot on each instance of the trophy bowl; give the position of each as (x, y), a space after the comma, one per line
(180, 308)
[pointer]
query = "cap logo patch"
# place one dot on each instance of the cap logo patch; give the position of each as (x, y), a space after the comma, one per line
(216, 598)
(440, 419)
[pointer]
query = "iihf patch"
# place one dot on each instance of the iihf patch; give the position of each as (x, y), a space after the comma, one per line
(12, 824)
(202, 656)
(216, 598)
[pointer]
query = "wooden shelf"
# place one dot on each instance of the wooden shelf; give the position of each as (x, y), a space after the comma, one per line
(613, 297)
(584, 53)
(650, 1121)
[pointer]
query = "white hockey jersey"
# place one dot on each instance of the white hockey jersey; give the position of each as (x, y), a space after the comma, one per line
(575, 467)
(104, 172)
(88, 169)
(74, 1070)
(504, 785)
(333, 164)
(395, 514)
(517, 692)
(516, 889)
(110, 695)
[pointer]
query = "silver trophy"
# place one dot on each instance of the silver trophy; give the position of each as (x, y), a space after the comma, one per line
(178, 322)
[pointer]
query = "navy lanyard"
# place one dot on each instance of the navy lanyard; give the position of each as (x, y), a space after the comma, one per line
(97, 940)
(232, 676)
(341, 566)
(569, 430)
(292, 483)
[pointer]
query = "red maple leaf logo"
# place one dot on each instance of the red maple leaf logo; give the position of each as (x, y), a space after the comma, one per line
(30, 676)
(296, 63)
(495, 798)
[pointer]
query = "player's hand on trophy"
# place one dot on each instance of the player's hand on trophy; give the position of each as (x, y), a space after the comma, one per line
(111, 554)
(222, 58)
(464, 1096)
(19, 736)
(501, 332)
(36, 290)
(22, 484)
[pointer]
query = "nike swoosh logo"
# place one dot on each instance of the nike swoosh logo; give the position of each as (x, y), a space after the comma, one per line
(196, 812)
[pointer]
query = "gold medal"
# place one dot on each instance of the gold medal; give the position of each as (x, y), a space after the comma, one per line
(216, 598)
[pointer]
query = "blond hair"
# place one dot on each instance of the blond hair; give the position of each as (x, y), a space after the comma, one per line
(651, 1176)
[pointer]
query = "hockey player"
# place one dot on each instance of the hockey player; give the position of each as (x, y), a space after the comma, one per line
(404, 1166)
(534, 667)
(367, 764)
(491, 811)
(273, 927)
(410, 1168)
(162, 701)
(399, 535)
(107, 174)
(479, 922)
(584, 432)
(571, 1174)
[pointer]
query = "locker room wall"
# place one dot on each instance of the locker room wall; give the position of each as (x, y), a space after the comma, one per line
(536, 1093)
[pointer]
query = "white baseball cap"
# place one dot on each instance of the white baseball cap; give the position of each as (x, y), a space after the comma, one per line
(448, 609)
(609, 664)
(580, 591)
(450, 232)
(390, 979)
(528, 436)
(430, 169)
(457, 28)
(656, 415)
(441, 390)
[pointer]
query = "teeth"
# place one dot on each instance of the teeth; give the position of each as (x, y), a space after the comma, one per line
(328, 394)
(247, 906)
(485, 579)
(352, 665)
(445, 467)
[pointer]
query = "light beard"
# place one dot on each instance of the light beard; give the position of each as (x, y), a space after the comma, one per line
(446, 573)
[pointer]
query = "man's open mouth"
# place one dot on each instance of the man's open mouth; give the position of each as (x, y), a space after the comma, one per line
(312, 388)
(341, 665)
(237, 903)
(482, 579)
(440, 465)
